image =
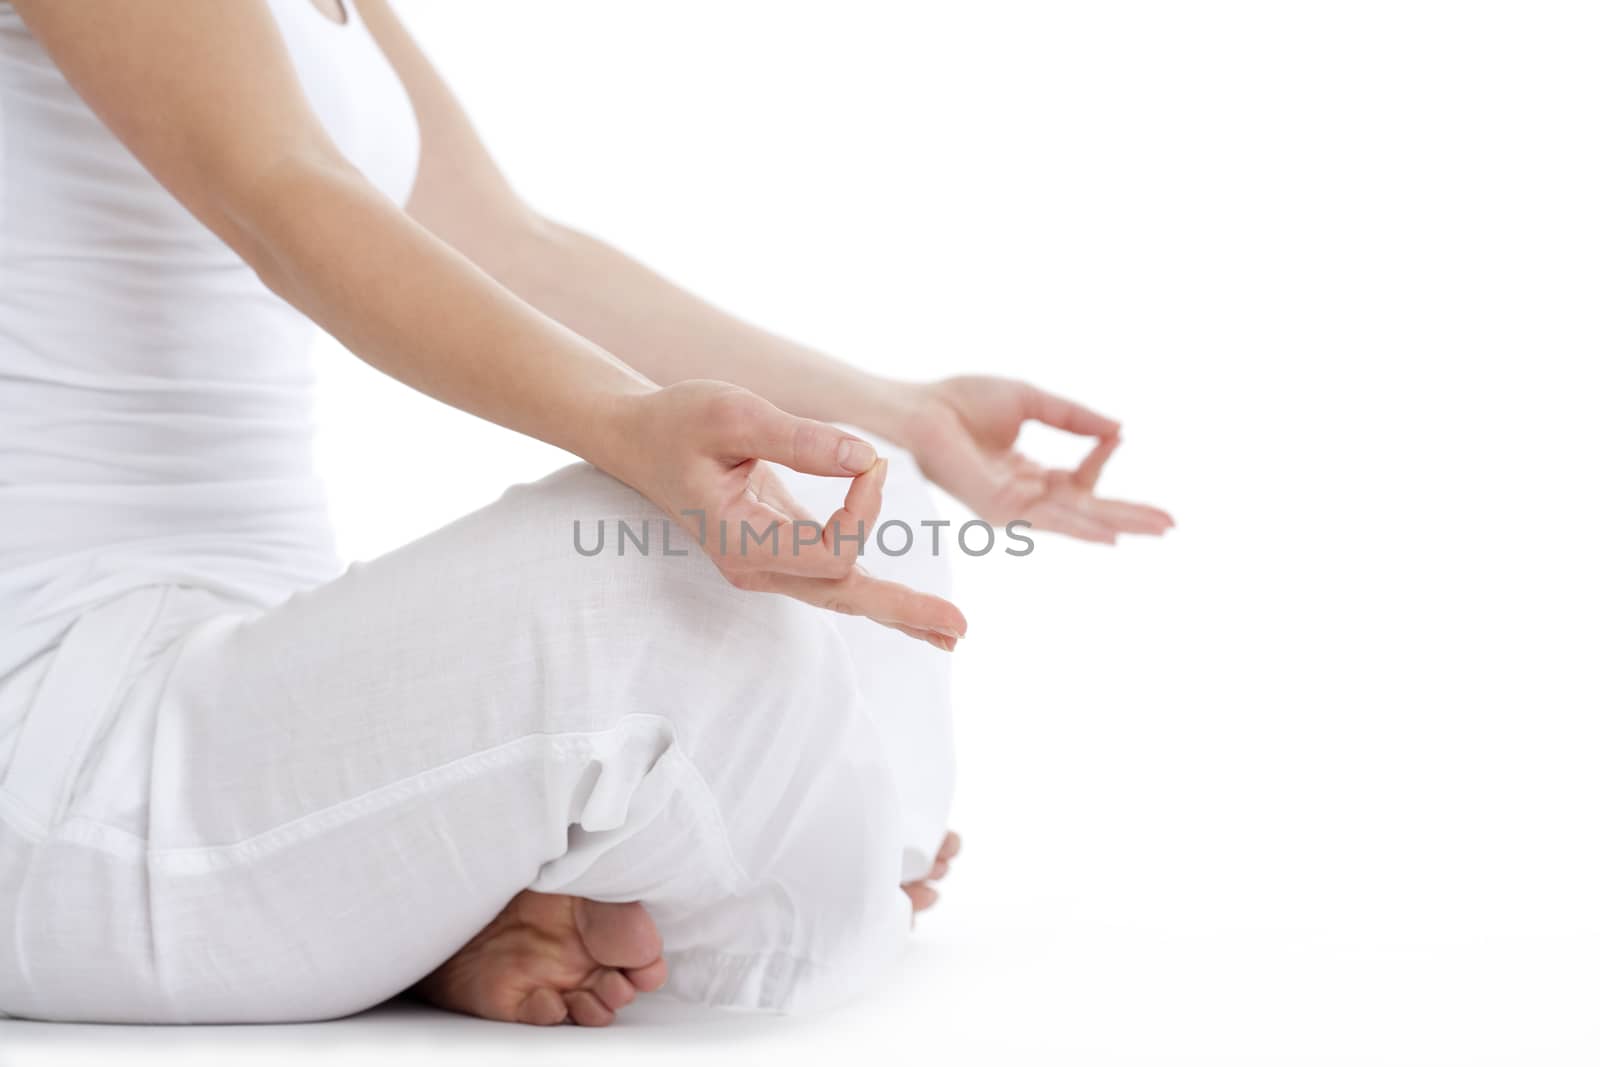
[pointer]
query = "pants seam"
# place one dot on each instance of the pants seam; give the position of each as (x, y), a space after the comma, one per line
(392, 793)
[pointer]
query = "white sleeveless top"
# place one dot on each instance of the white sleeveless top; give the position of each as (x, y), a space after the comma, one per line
(155, 396)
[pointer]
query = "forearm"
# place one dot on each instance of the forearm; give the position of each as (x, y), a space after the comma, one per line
(413, 307)
(670, 334)
(653, 325)
(206, 96)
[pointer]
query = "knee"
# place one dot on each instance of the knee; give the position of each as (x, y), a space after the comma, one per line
(645, 613)
(656, 570)
(641, 599)
(743, 674)
(578, 491)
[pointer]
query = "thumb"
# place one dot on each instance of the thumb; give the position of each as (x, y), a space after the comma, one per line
(805, 445)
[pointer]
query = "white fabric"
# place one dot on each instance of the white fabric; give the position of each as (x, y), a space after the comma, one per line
(233, 790)
(295, 814)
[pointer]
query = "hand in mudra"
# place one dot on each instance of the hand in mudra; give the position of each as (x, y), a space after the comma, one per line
(964, 433)
(704, 452)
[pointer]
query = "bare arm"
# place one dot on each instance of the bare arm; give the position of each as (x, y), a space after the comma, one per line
(204, 94)
(671, 334)
(641, 317)
(962, 431)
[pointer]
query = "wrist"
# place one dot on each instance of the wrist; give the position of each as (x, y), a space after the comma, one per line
(889, 408)
(611, 427)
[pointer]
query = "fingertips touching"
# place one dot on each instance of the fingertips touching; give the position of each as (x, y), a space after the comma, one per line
(855, 456)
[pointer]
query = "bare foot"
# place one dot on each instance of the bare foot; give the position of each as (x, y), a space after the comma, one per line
(923, 895)
(547, 958)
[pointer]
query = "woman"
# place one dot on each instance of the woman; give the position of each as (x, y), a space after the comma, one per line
(240, 785)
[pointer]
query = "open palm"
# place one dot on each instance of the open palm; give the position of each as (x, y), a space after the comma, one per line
(964, 438)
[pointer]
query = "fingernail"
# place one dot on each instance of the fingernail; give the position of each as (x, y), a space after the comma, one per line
(856, 456)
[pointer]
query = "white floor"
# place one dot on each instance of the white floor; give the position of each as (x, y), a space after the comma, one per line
(1092, 996)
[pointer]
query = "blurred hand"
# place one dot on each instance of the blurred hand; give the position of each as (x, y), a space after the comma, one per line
(963, 434)
(700, 450)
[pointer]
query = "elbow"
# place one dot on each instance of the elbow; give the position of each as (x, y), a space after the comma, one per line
(275, 213)
(487, 223)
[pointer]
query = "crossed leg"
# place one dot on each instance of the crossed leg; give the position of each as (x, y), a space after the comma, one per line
(548, 959)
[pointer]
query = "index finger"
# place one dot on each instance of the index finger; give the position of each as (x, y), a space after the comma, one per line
(1088, 472)
(1063, 414)
(833, 548)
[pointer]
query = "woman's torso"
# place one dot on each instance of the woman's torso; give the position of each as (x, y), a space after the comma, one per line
(156, 400)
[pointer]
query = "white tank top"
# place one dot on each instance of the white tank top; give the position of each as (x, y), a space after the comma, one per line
(155, 397)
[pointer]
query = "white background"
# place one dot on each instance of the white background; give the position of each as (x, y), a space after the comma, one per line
(1314, 779)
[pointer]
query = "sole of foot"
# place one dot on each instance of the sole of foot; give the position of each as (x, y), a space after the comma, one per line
(548, 959)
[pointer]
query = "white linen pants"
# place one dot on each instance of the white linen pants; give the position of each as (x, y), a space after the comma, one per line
(218, 813)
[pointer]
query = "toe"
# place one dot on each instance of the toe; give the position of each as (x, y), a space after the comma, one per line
(649, 978)
(618, 935)
(543, 1007)
(614, 991)
(586, 1009)
(923, 896)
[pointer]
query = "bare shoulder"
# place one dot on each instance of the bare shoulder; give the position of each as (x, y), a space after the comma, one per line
(203, 93)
